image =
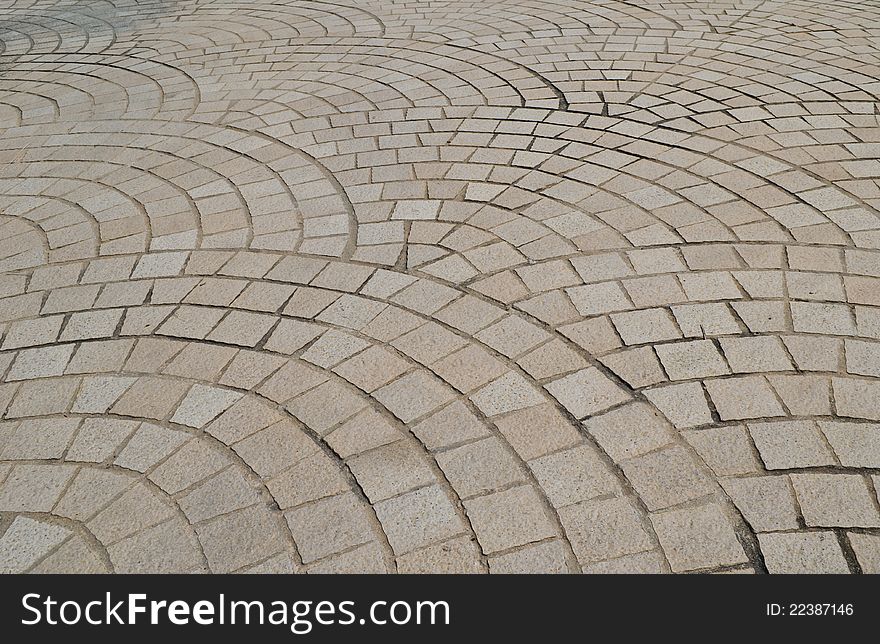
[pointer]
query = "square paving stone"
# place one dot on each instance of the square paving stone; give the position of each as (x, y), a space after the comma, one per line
(697, 538)
(418, 519)
(510, 518)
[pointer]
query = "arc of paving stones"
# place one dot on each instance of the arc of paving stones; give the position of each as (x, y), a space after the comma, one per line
(799, 17)
(24, 245)
(227, 500)
(704, 254)
(197, 185)
(510, 391)
(199, 25)
(679, 185)
(679, 81)
(383, 73)
(65, 87)
(48, 28)
(455, 19)
(770, 337)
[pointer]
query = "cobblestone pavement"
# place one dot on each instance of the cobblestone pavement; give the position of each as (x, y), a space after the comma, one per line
(439, 286)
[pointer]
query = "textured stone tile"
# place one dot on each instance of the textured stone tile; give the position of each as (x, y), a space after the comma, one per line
(766, 502)
(329, 526)
(855, 444)
(586, 392)
(803, 552)
(832, 500)
(696, 538)
(747, 397)
(666, 477)
(684, 405)
(391, 470)
(792, 444)
(481, 467)
(456, 556)
(510, 392)
(413, 396)
(510, 518)
(418, 519)
(867, 549)
(607, 529)
(538, 559)
(27, 541)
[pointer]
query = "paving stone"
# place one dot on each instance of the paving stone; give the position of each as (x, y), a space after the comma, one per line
(755, 354)
(311, 477)
(34, 488)
(74, 557)
(766, 502)
(697, 538)
(391, 470)
(365, 431)
(203, 404)
(857, 398)
(481, 467)
(645, 563)
(366, 559)
(638, 367)
(149, 445)
(649, 325)
(456, 556)
(150, 397)
(90, 492)
(372, 368)
(538, 559)
(510, 392)
(242, 419)
(509, 518)
(803, 395)
(686, 360)
(747, 397)
(684, 405)
(191, 463)
(832, 500)
(39, 439)
(413, 396)
(574, 475)
(854, 444)
(99, 438)
(162, 549)
(27, 541)
(418, 518)
(728, 451)
(605, 529)
(40, 363)
(275, 448)
(238, 539)
(666, 477)
(867, 549)
(43, 397)
(138, 508)
(790, 445)
(322, 408)
(586, 392)
(629, 431)
(537, 431)
(469, 368)
(802, 552)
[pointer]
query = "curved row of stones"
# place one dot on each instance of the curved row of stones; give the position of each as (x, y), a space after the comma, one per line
(430, 287)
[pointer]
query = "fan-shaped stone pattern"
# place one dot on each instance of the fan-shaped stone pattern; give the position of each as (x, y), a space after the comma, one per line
(527, 286)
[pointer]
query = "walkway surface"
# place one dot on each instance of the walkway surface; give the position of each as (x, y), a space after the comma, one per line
(436, 286)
